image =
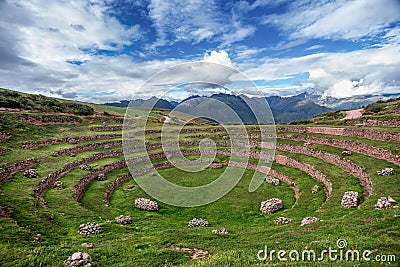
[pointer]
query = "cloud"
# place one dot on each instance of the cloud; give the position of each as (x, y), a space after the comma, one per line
(194, 21)
(340, 74)
(337, 19)
(314, 47)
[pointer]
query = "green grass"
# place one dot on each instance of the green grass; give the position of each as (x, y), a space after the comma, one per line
(145, 242)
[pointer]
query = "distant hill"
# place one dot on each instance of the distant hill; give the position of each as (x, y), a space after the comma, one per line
(15, 100)
(284, 109)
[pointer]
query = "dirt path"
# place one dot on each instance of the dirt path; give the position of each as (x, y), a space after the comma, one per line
(353, 114)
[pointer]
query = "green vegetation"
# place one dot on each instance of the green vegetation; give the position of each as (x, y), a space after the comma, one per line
(16, 100)
(147, 241)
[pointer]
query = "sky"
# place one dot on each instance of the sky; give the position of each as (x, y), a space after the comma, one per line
(104, 50)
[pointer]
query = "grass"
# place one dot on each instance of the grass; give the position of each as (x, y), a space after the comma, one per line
(147, 240)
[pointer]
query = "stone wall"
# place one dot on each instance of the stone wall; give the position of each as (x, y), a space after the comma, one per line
(87, 147)
(310, 170)
(4, 136)
(33, 145)
(360, 148)
(370, 122)
(359, 133)
(7, 173)
(345, 164)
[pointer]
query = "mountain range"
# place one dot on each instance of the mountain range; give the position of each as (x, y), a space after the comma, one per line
(284, 109)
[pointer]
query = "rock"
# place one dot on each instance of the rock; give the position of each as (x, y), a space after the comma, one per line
(309, 220)
(79, 259)
(72, 155)
(85, 167)
(198, 222)
(350, 199)
(31, 173)
(385, 172)
(383, 203)
(220, 231)
(391, 200)
(101, 177)
(307, 144)
(58, 185)
(146, 204)
(72, 141)
(271, 180)
(315, 189)
(123, 219)
(89, 229)
(346, 153)
(282, 220)
(130, 186)
(271, 205)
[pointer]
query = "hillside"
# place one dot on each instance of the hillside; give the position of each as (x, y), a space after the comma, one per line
(380, 113)
(57, 176)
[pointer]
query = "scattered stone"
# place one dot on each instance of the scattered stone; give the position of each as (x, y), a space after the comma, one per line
(146, 204)
(346, 153)
(123, 219)
(85, 167)
(198, 222)
(79, 259)
(89, 229)
(307, 144)
(309, 220)
(385, 172)
(315, 189)
(88, 245)
(282, 220)
(271, 205)
(221, 231)
(72, 155)
(58, 185)
(31, 173)
(130, 186)
(350, 199)
(101, 177)
(271, 180)
(385, 203)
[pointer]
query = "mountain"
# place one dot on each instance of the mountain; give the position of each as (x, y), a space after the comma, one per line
(347, 103)
(284, 109)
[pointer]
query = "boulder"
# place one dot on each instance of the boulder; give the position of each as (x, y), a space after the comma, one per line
(79, 259)
(271, 205)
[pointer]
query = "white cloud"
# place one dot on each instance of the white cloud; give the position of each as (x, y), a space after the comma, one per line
(337, 19)
(339, 74)
(195, 21)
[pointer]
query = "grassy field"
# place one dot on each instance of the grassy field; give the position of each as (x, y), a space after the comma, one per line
(148, 240)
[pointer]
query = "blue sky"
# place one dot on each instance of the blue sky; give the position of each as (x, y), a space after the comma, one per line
(104, 50)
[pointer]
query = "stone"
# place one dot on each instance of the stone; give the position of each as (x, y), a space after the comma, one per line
(198, 222)
(101, 177)
(350, 199)
(271, 205)
(58, 185)
(79, 259)
(221, 231)
(146, 204)
(130, 186)
(315, 189)
(123, 219)
(384, 203)
(309, 220)
(346, 153)
(89, 229)
(31, 173)
(282, 220)
(271, 180)
(85, 167)
(385, 172)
